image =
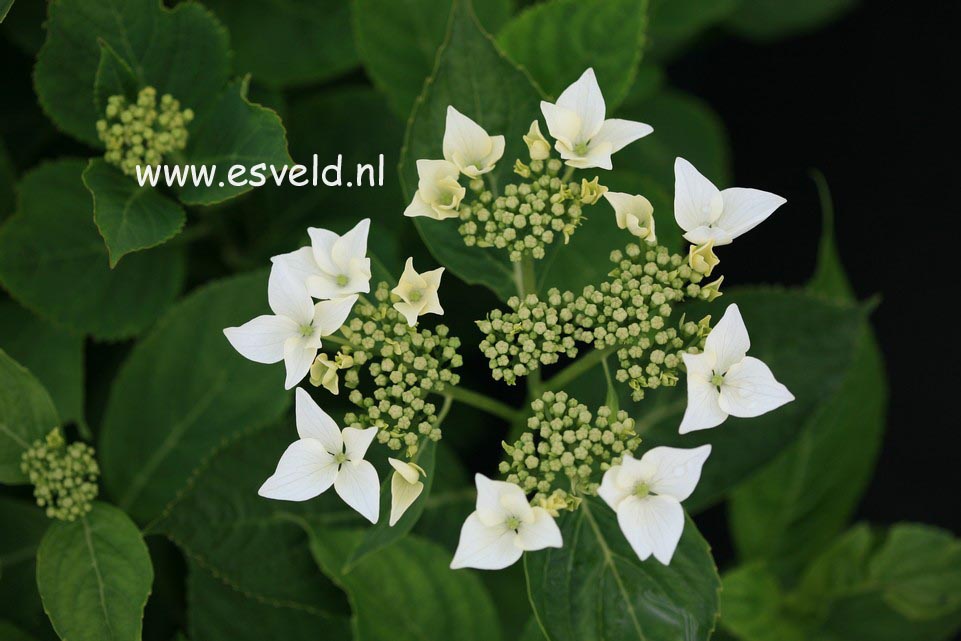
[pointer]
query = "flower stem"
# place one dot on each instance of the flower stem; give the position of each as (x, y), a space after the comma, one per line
(526, 281)
(578, 367)
(567, 175)
(481, 402)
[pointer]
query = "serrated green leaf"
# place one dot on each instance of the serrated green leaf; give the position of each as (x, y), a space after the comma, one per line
(398, 42)
(94, 576)
(26, 414)
(181, 51)
(249, 542)
(472, 75)
(51, 354)
(181, 393)
(767, 20)
(5, 8)
(557, 40)
(23, 526)
(595, 587)
(130, 217)
(114, 77)
(218, 612)
(407, 592)
(54, 262)
(232, 131)
(287, 43)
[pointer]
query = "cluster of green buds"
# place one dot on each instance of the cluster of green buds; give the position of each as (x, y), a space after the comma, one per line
(630, 315)
(405, 364)
(528, 216)
(140, 133)
(566, 449)
(64, 477)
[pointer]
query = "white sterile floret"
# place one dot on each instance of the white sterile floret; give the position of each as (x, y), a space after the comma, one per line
(418, 293)
(646, 494)
(706, 213)
(633, 213)
(468, 146)
(294, 332)
(577, 122)
(438, 193)
(723, 380)
(333, 266)
(325, 456)
(503, 527)
(405, 487)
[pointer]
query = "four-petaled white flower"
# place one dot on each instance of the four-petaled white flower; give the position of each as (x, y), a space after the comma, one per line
(405, 487)
(325, 456)
(468, 146)
(724, 380)
(633, 213)
(706, 213)
(438, 193)
(418, 293)
(576, 121)
(502, 528)
(646, 494)
(293, 333)
(333, 266)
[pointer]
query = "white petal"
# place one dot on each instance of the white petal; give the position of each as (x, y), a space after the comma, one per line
(584, 98)
(652, 525)
(298, 357)
(494, 498)
(262, 339)
(620, 133)
(750, 389)
(322, 245)
(351, 245)
(330, 315)
(745, 209)
(403, 493)
(358, 485)
(465, 142)
(728, 340)
(287, 294)
(703, 411)
(485, 547)
(420, 207)
(409, 471)
(695, 197)
(610, 490)
(409, 311)
(541, 533)
(497, 151)
(702, 234)
(676, 470)
(304, 471)
(315, 423)
(563, 124)
(357, 441)
(300, 263)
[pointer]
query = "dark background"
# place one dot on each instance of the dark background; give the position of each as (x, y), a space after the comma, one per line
(867, 101)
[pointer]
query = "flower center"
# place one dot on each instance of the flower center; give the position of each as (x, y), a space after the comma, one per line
(342, 280)
(340, 458)
(306, 330)
(415, 295)
(717, 380)
(641, 490)
(580, 148)
(513, 523)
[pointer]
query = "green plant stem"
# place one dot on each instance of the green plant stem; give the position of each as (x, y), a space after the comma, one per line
(575, 369)
(567, 175)
(481, 401)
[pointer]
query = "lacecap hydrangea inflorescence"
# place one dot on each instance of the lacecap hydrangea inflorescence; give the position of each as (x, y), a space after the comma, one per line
(64, 476)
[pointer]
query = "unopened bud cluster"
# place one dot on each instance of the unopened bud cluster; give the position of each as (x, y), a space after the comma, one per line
(566, 450)
(64, 477)
(629, 315)
(142, 132)
(405, 365)
(530, 215)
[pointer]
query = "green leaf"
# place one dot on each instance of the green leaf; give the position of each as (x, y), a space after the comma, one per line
(182, 392)
(54, 356)
(474, 76)
(54, 262)
(26, 414)
(595, 587)
(114, 78)
(94, 576)
(5, 8)
(9, 632)
(753, 606)
(767, 20)
(233, 131)
(398, 42)
(557, 40)
(407, 592)
(23, 526)
(218, 612)
(251, 543)
(181, 51)
(129, 217)
(285, 43)
(675, 23)
(807, 341)
(8, 177)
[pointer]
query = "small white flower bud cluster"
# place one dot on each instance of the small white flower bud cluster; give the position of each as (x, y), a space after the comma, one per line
(630, 314)
(405, 364)
(529, 216)
(140, 133)
(566, 449)
(64, 477)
